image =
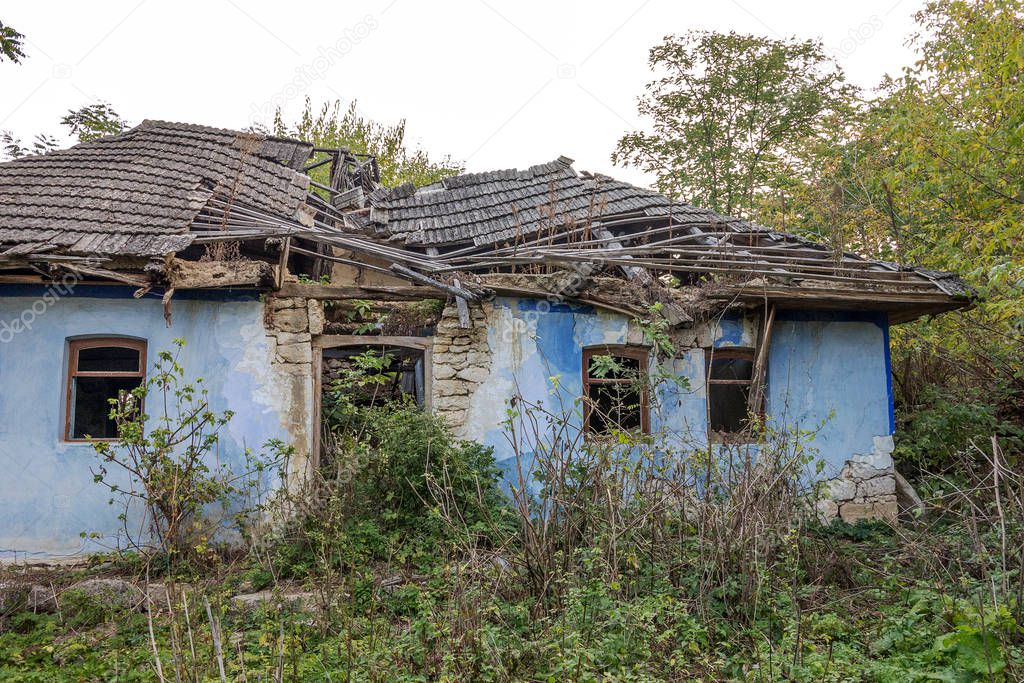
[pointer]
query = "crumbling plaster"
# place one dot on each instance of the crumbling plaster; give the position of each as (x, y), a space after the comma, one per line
(827, 374)
(47, 494)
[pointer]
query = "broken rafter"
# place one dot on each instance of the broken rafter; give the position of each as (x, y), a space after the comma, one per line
(107, 274)
(704, 266)
(430, 282)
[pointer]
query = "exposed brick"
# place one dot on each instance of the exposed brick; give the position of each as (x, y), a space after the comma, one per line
(280, 304)
(292, 337)
(851, 512)
(474, 374)
(443, 370)
(887, 509)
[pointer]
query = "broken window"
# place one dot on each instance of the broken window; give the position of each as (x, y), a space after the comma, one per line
(99, 370)
(375, 374)
(730, 372)
(615, 390)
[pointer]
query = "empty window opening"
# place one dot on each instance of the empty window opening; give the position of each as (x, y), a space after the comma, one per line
(373, 374)
(615, 390)
(730, 372)
(100, 370)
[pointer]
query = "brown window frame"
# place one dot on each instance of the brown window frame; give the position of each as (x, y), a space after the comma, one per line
(639, 353)
(711, 354)
(74, 347)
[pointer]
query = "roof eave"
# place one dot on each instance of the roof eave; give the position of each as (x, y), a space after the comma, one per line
(902, 307)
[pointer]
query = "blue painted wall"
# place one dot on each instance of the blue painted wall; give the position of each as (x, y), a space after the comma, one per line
(47, 493)
(833, 369)
(824, 368)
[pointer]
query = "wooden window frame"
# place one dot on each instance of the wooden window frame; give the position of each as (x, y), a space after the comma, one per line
(642, 355)
(712, 354)
(74, 347)
(334, 341)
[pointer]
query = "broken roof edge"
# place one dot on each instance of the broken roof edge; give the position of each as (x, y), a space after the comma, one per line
(641, 209)
(900, 307)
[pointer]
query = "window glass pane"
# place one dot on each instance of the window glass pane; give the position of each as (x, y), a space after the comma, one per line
(108, 359)
(727, 406)
(90, 408)
(614, 406)
(610, 366)
(731, 368)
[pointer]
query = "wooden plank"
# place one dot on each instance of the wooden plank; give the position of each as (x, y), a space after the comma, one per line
(108, 274)
(868, 298)
(624, 309)
(282, 264)
(318, 396)
(755, 399)
(428, 376)
(632, 272)
(463, 308)
(430, 282)
(331, 341)
(380, 293)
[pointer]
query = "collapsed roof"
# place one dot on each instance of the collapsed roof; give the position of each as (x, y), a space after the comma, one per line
(137, 194)
(126, 204)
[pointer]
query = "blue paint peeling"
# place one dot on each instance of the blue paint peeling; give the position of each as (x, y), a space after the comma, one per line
(888, 378)
(827, 371)
(545, 306)
(730, 330)
(47, 493)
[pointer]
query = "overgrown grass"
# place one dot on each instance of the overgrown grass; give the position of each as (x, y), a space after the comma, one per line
(865, 608)
(625, 558)
(414, 571)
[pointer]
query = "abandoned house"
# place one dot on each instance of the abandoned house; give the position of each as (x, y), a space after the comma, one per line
(492, 284)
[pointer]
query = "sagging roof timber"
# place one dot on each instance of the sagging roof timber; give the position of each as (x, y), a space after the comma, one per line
(121, 208)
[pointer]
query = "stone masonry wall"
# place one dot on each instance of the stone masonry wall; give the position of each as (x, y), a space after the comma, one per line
(864, 489)
(461, 362)
(290, 324)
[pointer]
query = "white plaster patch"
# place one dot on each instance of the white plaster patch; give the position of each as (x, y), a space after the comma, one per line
(880, 457)
(256, 361)
(487, 406)
(487, 403)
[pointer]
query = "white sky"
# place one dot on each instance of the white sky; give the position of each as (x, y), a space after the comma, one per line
(494, 83)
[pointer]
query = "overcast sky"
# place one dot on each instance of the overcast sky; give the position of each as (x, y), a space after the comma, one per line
(493, 83)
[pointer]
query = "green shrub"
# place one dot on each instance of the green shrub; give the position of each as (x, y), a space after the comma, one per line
(934, 435)
(375, 497)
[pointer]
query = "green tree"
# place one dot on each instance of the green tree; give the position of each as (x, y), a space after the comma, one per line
(94, 121)
(87, 123)
(956, 122)
(727, 112)
(11, 44)
(930, 173)
(13, 147)
(331, 127)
